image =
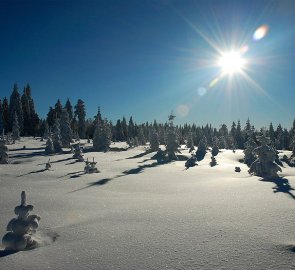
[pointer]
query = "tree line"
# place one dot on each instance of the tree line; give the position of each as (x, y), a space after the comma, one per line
(19, 113)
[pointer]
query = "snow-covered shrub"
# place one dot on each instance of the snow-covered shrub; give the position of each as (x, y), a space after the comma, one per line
(264, 165)
(21, 229)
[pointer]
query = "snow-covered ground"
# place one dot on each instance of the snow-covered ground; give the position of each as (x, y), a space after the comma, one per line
(136, 214)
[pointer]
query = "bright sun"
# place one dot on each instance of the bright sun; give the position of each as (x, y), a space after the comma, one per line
(231, 62)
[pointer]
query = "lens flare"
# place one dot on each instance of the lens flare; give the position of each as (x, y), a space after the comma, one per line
(260, 32)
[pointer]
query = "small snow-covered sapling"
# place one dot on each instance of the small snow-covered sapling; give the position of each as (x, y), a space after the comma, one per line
(21, 229)
(213, 161)
(90, 167)
(48, 165)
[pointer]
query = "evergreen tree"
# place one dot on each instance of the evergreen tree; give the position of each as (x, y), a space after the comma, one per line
(154, 141)
(215, 149)
(119, 135)
(239, 137)
(65, 129)
(264, 165)
(131, 128)
(49, 149)
(172, 142)
(250, 145)
(58, 109)
(102, 136)
(3, 152)
(190, 142)
(140, 136)
(5, 107)
(51, 117)
(69, 109)
(15, 128)
(125, 129)
(57, 137)
(15, 106)
(271, 133)
(202, 148)
(1, 117)
(81, 114)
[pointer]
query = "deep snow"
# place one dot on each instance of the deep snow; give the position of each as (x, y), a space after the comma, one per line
(136, 214)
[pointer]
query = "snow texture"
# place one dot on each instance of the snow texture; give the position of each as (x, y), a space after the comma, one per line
(138, 214)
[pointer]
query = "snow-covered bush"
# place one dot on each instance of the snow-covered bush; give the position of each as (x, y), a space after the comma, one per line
(21, 229)
(264, 165)
(213, 161)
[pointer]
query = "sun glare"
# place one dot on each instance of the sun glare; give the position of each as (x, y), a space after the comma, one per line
(231, 62)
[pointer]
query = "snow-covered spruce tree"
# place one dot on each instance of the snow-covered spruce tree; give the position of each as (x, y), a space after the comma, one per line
(202, 147)
(154, 141)
(264, 165)
(190, 142)
(140, 136)
(15, 106)
(102, 136)
(3, 152)
(65, 129)
(172, 143)
(1, 117)
(15, 128)
(56, 137)
(215, 149)
(81, 114)
(250, 145)
(49, 149)
(21, 229)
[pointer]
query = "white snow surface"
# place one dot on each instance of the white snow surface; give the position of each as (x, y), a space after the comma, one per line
(136, 214)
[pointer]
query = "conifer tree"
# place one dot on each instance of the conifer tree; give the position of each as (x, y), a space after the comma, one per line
(57, 109)
(250, 145)
(102, 136)
(57, 137)
(15, 128)
(15, 106)
(215, 149)
(1, 117)
(49, 149)
(264, 165)
(119, 135)
(140, 136)
(154, 141)
(51, 117)
(190, 142)
(239, 137)
(80, 113)
(69, 109)
(131, 132)
(172, 142)
(3, 152)
(65, 129)
(5, 107)
(202, 148)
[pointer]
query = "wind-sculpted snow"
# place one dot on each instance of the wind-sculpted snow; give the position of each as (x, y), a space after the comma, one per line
(136, 214)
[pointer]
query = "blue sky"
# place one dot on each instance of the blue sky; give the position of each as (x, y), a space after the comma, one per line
(145, 58)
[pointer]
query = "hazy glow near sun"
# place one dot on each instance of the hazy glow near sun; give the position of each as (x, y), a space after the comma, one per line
(231, 62)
